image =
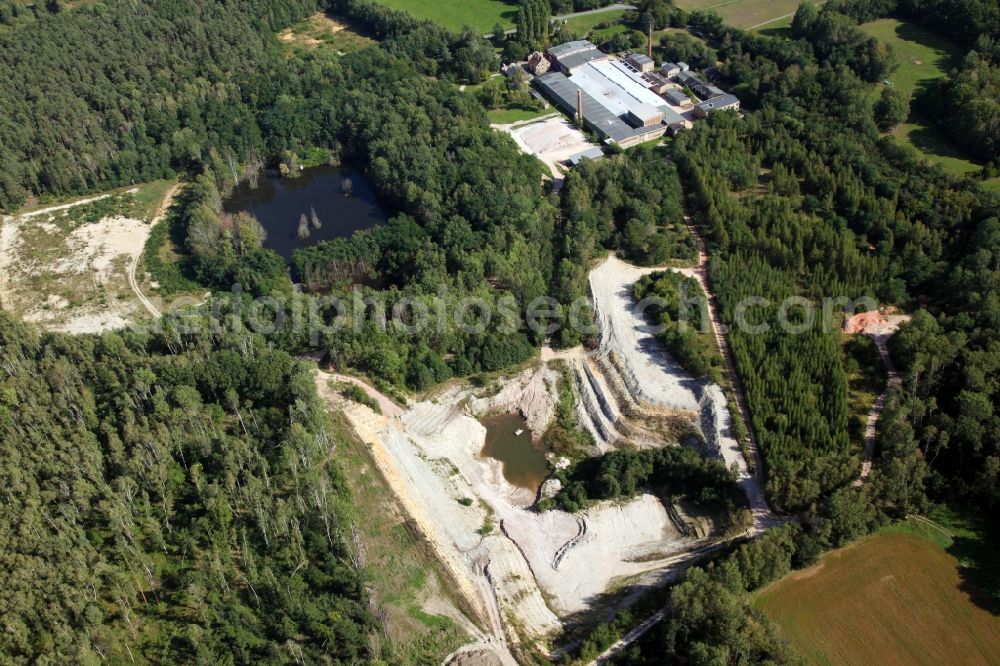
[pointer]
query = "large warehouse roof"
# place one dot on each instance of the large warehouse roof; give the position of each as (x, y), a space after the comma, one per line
(563, 50)
(575, 60)
(613, 84)
(563, 92)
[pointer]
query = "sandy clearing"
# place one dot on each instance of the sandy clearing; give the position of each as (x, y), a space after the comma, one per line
(95, 257)
(71, 278)
(9, 237)
(478, 654)
(549, 354)
(84, 323)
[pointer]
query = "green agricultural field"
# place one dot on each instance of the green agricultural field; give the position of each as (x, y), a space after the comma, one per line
(895, 598)
(745, 13)
(455, 15)
(581, 25)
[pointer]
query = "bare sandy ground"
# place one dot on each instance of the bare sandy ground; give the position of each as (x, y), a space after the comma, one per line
(571, 558)
(658, 379)
(525, 571)
(518, 567)
(77, 282)
(552, 140)
(95, 253)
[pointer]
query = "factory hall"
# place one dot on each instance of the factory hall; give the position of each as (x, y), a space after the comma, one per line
(627, 100)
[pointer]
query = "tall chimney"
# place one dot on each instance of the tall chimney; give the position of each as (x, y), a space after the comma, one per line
(579, 105)
(650, 42)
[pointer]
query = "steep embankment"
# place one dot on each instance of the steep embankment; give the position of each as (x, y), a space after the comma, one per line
(647, 379)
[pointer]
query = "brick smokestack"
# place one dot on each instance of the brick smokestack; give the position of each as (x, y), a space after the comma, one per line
(650, 41)
(579, 105)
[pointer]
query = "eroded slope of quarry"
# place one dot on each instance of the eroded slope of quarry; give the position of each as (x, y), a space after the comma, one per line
(525, 572)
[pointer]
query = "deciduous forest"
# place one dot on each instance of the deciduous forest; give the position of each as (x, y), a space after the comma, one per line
(171, 498)
(174, 497)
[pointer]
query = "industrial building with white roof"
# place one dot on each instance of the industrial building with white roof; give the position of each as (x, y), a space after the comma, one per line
(619, 98)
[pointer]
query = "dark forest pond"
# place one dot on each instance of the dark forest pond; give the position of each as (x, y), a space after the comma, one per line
(523, 464)
(279, 203)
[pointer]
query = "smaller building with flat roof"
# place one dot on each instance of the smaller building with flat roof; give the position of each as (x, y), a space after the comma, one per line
(644, 115)
(720, 103)
(678, 97)
(686, 78)
(670, 70)
(641, 62)
(589, 154)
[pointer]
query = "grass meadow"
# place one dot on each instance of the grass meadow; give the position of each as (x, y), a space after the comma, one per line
(923, 57)
(480, 14)
(581, 25)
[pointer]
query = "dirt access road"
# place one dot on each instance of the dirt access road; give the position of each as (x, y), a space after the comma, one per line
(895, 380)
(161, 212)
(700, 273)
(657, 379)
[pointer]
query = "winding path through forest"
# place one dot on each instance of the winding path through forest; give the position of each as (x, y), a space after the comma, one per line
(895, 380)
(161, 212)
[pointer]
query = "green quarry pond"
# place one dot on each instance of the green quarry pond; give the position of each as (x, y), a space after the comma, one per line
(523, 464)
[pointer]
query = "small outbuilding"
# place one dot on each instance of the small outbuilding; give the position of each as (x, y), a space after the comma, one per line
(678, 97)
(721, 103)
(641, 62)
(686, 78)
(670, 70)
(589, 154)
(657, 82)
